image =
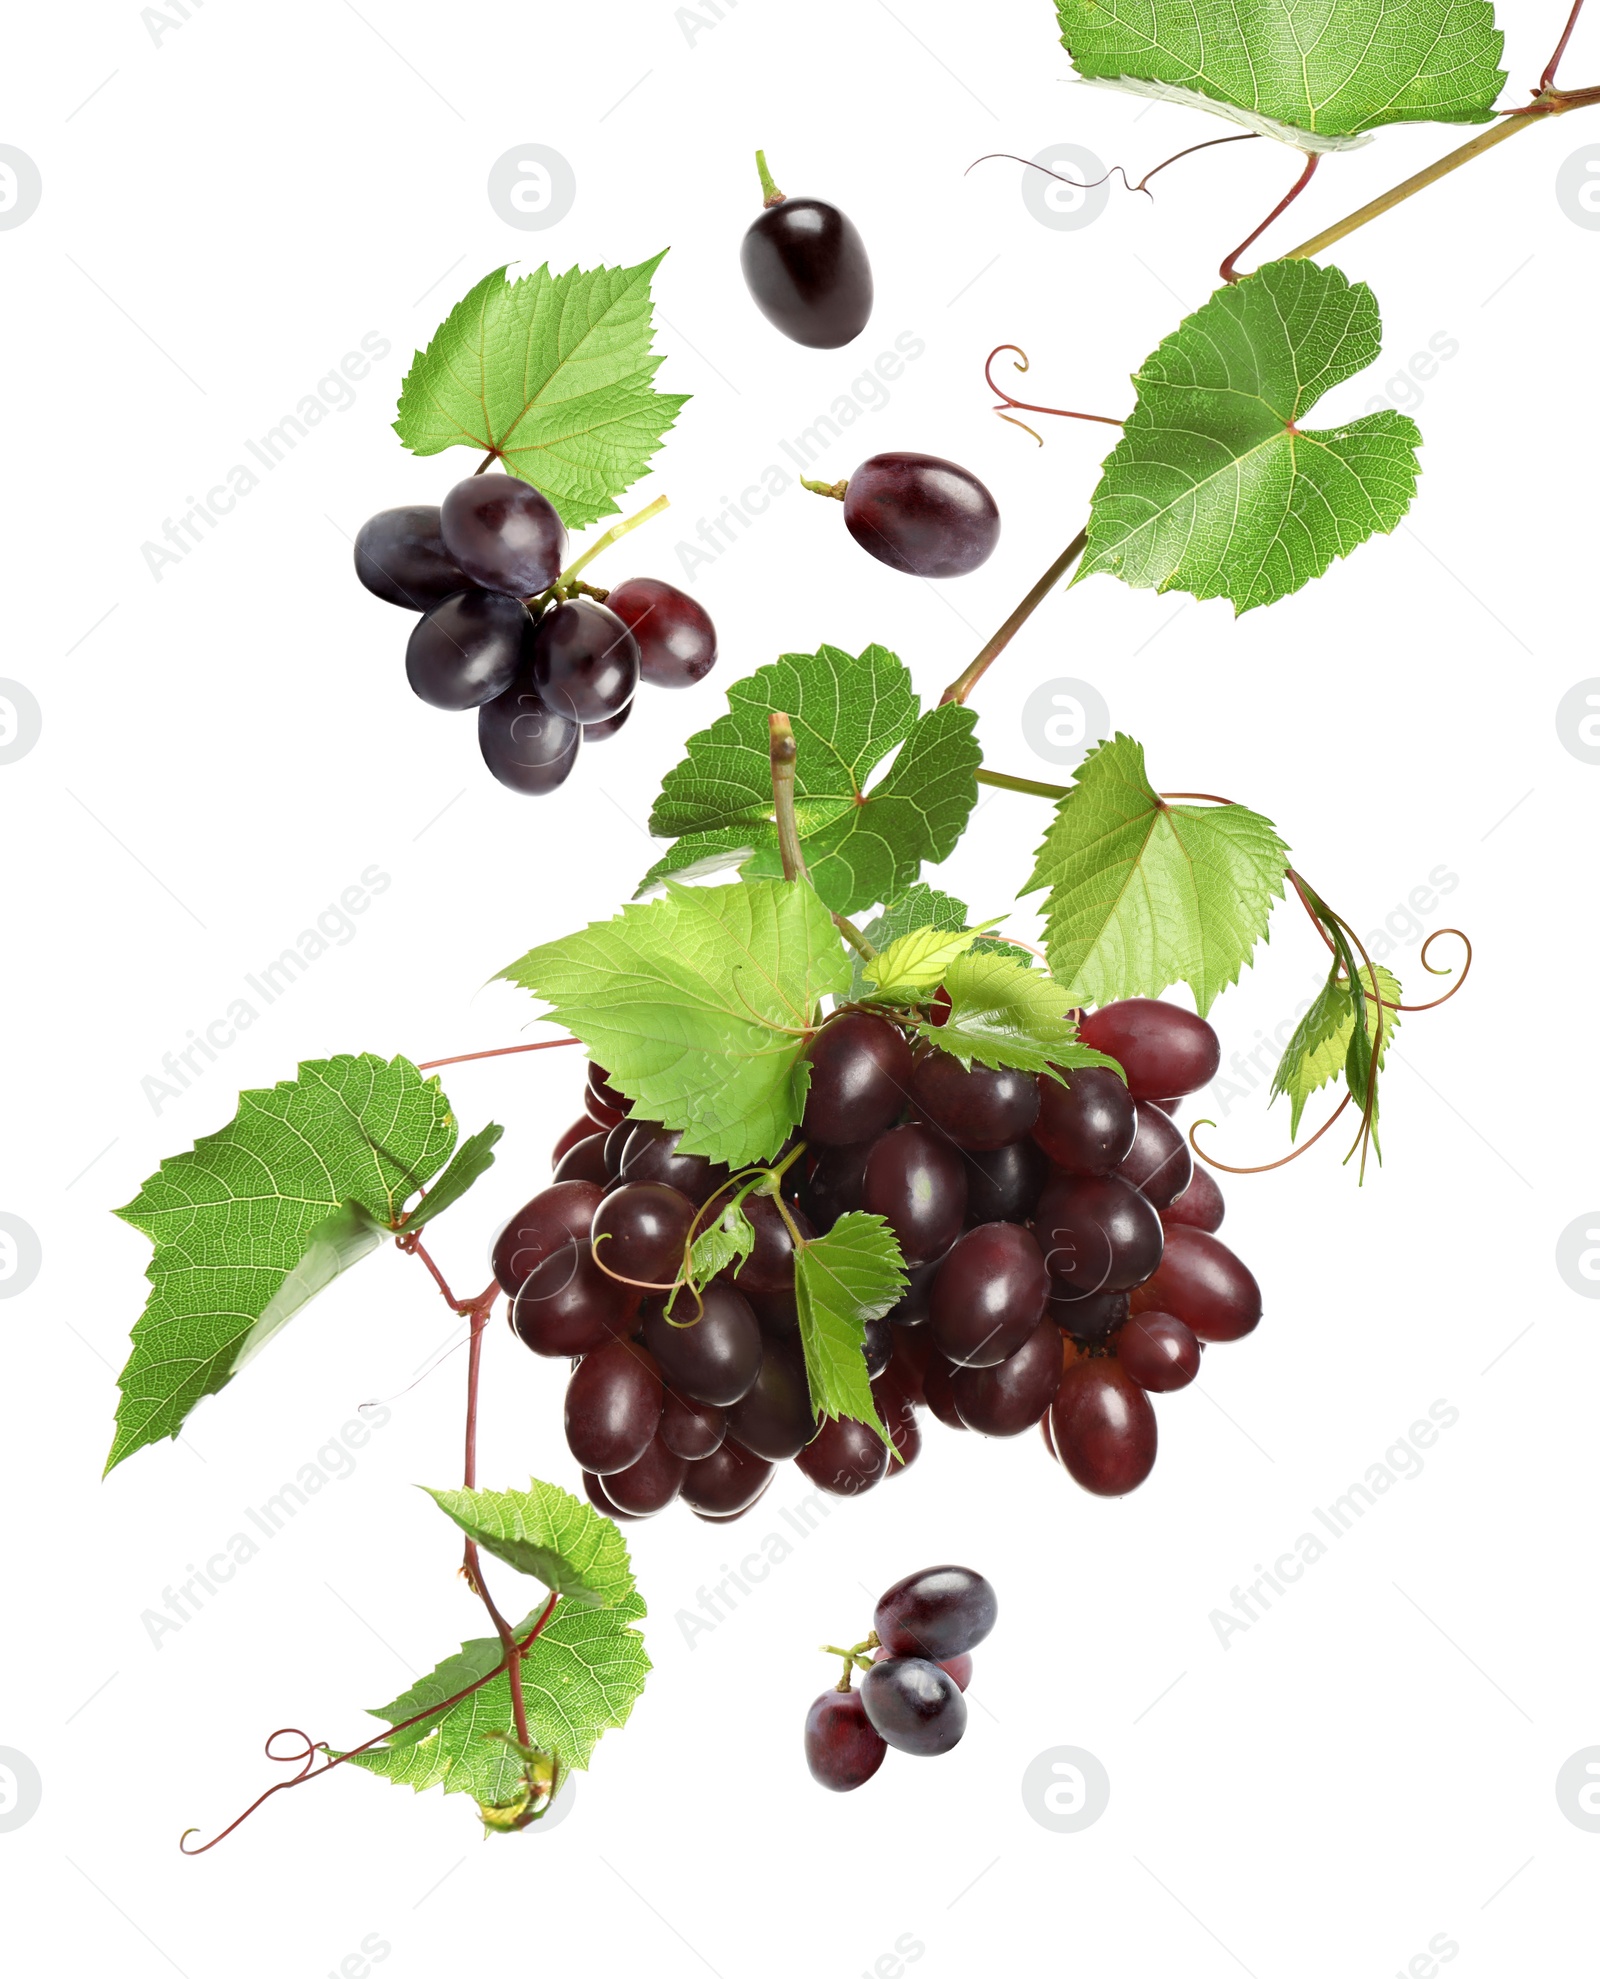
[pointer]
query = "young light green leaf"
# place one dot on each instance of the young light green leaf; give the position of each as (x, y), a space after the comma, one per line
(700, 1007)
(473, 1158)
(1215, 488)
(862, 842)
(1002, 1013)
(915, 964)
(1145, 894)
(552, 373)
(729, 1240)
(1320, 1046)
(546, 1532)
(1312, 74)
(842, 1279)
(256, 1219)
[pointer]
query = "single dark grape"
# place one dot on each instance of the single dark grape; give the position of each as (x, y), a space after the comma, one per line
(1164, 1049)
(913, 1349)
(714, 1357)
(1088, 1125)
(878, 1346)
(842, 1749)
(580, 1130)
(558, 1215)
(691, 1430)
(503, 533)
(1089, 1317)
(527, 745)
(677, 641)
(914, 1706)
(979, 1109)
(599, 1114)
(567, 1305)
(597, 1497)
(959, 1668)
(1097, 1233)
(917, 1182)
(1159, 1164)
(585, 1160)
(727, 1482)
(1103, 1427)
(401, 558)
(844, 1457)
(585, 662)
(650, 1154)
(617, 1138)
(769, 1269)
(1010, 1397)
(1200, 1205)
(806, 268)
(613, 1410)
(777, 1313)
(938, 1392)
(1201, 1282)
(860, 1069)
(640, 1232)
(899, 1415)
(937, 1612)
(774, 1419)
(989, 1295)
(597, 1081)
(466, 650)
(1003, 1187)
(1160, 1352)
(603, 731)
(650, 1483)
(913, 1309)
(922, 515)
(833, 1187)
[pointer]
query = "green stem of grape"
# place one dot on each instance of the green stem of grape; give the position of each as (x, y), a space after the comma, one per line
(963, 684)
(1026, 785)
(613, 535)
(770, 195)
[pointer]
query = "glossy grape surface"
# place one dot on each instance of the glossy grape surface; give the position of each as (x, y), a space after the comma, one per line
(1159, 1351)
(938, 1391)
(713, 1358)
(1165, 1050)
(691, 1430)
(650, 1483)
(650, 1154)
(1205, 1285)
(914, 1706)
(1004, 1186)
(925, 516)
(989, 1295)
(844, 1457)
(979, 1109)
(1090, 1319)
(466, 650)
(401, 558)
(1098, 1234)
(527, 745)
(1103, 1427)
(937, 1612)
(1200, 1206)
(503, 534)
(613, 1410)
(585, 661)
(727, 1482)
(1159, 1164)
(641, 1229)
(584, 1160)
(807, 271)
(774, 1418)
(567, 1305)
(860, 1070)
(558, 1215)
(842, 1749)
(677, 641)
(769, 1269)
(1011, 1396)
(1088, 1125)
(916, 1181)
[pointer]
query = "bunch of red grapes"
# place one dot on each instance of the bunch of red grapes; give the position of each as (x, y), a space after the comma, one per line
(546, 675)
(1059, 1240)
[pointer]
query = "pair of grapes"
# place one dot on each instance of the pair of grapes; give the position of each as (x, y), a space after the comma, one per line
(546, 674)
(917, 1663)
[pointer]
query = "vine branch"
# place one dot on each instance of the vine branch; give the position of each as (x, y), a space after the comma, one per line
(1229, 270)
(784, 754)
(963, 684)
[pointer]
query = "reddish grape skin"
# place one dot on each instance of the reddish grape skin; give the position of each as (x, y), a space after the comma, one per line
(560, 1214)
(691, 1430)
(714, 1357)
(585, 662)
(833, 1187)
(567, 1305)
(1168, 1106)
(401, 558)
(613, 1410)
(650, 1154)
(640, 1231)
(769, 1269)
(1103, 1427)
(504, 534)
(677, 641)
(1165, 1050)
(1004, 1186)
(580, 1130)
(603, 731)
(1097, 1233)
(1201, 1282)
(845, 1457)
(936, 1612)
(777, 1313)
(959, 1668)
(1011, 1396)
(978, 1109)
(650, 1484)
(597, 1497)
(914, 1705)
(877, 1346)
(860, 1069)
(913, 1309)
(913, 1348)
(1088, 1125)
(1160, 1352)
(616, 1141)
(989, 1295)
(584, 1161)
(917, 1182)
(598, 1081)
(1159, 1164)
(938, 1392)
(842, 1750)
(807, 271)
(774, 1419)
(600, 1115)
(1200, 1206)
(1090, 1320)
(727, 1482)
(527, 745)
(920, 514)
(467, 650)
(900, 1419)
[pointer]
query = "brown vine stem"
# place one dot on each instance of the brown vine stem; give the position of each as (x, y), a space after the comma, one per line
(1229, 270)
(963, 684)
(1548, 79)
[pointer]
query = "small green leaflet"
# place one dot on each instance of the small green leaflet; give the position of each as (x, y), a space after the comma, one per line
(729, 1240)
(552, 373)
(546, 1532)
(862, 843)
(1320, 1047)
(308, 1177)
(1002, 1013)
(1310, 72)
(1214, 488)
(473, 1158)
(922, 907)
(699, 1006)
(1145, 894)
(852, 1274)
(914, 964)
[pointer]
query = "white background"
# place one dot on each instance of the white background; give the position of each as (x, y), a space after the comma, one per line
(1373, 1763)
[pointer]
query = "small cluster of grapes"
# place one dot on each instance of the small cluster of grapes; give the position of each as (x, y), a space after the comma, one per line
(546, 671)
(917, 1662)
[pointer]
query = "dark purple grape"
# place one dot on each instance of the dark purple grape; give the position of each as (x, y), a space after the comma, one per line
(1168, 1106)
(1097, 1234)
(640, 1231)
(597, 1497)
(878, 1346)
(1088, 1125)
(613, 1410)
(466, 650)
(979, 1109)
(1090, 1318)
(580, 1130)
(939, 1393)
(503, 533)
(527, 746)
(727, 1482)
(401, 558)
(713, 1358)
(677, 641)
(842, 1749)
(650, 1483)
(922, 515)
(616, 1140)
(913, 1309)
(1159, 1164)
(769, 1269)
(1003, 1187)
(558, 1215)
(917, 1182)
(584, 1161)
(691, 1430)
(599, 1114)
(777, 1313)
(1201, 1282)
(567, 1305)
(844, 1457)
(989, 1295)
(774, 1419)
(1103, 1427)
(860, 1069)
(834, 1186)
(913, 1349)
(585, 662)
(914, 1706)
(1160, 1352)
(603, 731)
(1200, 1206)
(1164, 1049)
(597, 1083)
(1010, 1397)
(938, 1612)
(806, 268)
(650, 1154)
(899, 1415)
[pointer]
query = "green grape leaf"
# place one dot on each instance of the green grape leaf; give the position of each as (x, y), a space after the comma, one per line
(546, 1532)
(915, 963)
(1003, 1013)
(474, 1157)
(553, 374)
(1214, 487)
(862, 842)
(1320, 1047)
(1145, 894)
(1308, 72)
(729, 1240)
(700, 1006)
(852, 1274)
(308, 1177)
